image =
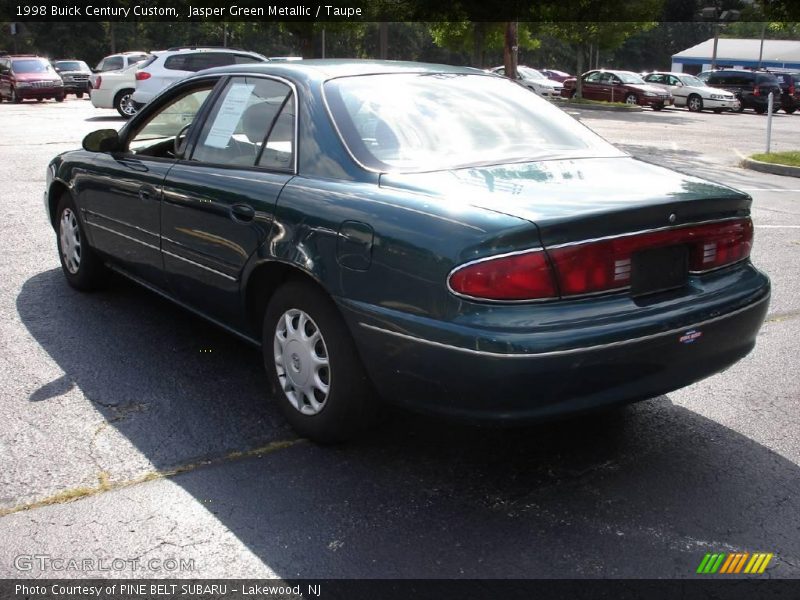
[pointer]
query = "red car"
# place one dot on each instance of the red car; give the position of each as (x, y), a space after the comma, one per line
(29, 76)
(619, 86)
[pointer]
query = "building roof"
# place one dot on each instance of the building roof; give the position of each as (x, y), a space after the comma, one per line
(739, 51)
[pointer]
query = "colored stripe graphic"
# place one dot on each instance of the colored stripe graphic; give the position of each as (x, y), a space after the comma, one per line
(703, 563)
(766, 562)
(727, 564)
(741, 562)
(717, 563)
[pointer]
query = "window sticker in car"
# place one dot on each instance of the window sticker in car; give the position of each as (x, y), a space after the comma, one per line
(229, 115)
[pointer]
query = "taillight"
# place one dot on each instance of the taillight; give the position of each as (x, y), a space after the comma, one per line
(597, 266)
(142, 75)
(522, 276)
(791, 90)
(97, 82)
(756, 92)
(605, 265)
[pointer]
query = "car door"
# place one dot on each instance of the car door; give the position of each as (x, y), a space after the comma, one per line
(121, 191)
(592, 88)
(220, 199)
(5, 78)
(678, 89)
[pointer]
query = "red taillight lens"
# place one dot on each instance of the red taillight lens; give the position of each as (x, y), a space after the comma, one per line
(142, 75)
(605, 265)
(791, 90)
(756, 92)
(524, 276)
(97, 82)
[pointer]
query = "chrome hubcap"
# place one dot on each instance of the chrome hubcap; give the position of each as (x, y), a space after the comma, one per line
(70, 241)
(631, 99)
(126, 105)
(694, 103)
(301, 361)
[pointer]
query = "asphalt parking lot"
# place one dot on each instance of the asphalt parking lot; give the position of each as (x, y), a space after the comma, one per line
(131, 429)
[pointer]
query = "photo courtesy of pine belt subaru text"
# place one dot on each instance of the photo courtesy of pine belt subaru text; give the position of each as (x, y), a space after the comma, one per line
(428, 236)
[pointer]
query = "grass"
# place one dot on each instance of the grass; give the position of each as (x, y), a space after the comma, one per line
(598, 102)
(791, 159)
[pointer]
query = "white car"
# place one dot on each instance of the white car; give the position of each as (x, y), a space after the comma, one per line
(117, 62)
(165, 67)
(693, 93)
(534, 81)
(113, 89)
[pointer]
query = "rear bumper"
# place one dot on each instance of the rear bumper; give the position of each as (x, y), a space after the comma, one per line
(590, 362)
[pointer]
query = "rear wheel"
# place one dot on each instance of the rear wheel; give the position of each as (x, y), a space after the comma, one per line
(79, 94)
(313, 366)
(658, 107)
(631, 99)
(694, 103)
(124, 104)
(82, 267)
(14, 97)
(789, 111)
(760, 110)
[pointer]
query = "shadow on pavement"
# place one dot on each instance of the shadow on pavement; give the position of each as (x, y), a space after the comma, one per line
(644, 491)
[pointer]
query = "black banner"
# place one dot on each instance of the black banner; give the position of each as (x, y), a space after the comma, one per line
(404, 589)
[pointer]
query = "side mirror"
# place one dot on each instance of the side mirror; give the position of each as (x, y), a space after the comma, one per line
(102, 140)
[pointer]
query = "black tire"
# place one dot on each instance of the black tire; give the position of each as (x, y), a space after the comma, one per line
(79, 94)
(59, 98)
(657, 107)
(631, 99)
(694, 103)
(717, 111)
(760, 110)
(789, 111)
(89, 273)
(123, 104)
(349, 405)
(14, 98)
(740, 107)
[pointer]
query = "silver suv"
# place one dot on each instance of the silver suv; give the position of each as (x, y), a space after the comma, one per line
(168, 66)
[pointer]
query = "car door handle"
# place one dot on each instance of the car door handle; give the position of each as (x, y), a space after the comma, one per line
(147, 193)
(242, 212)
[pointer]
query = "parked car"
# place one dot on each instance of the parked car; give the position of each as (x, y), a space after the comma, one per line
(431, 234)
(117, 62)
(693, 93)
(27, 76)
(163, 68)
(752, 88)
(534, 81)
(790, 90)
(559, 76)
(75, 75)
(113, 89)
(619, 86)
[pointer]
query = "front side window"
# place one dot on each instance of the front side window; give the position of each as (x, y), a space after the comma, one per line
(629, 77)
(433, 121)
(157, 136)
(251, 123)
(593, 77)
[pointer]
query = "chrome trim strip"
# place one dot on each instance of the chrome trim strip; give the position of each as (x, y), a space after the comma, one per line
(643, 231)
(107, 218)
(645, 338)
(196, 264)
(127, 237)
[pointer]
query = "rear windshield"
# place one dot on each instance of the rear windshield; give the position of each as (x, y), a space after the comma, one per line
(71, 65)
(31, 65)
(427, 122)
(769, 79)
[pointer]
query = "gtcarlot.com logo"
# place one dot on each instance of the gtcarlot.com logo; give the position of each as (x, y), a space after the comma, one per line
(734, 563)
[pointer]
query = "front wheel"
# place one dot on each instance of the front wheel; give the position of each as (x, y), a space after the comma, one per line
(658, 107)
(313, 365)
(14, 97)
(60, 98)
(695, 103)
(631, 99)
(82, 267)
(79, 94)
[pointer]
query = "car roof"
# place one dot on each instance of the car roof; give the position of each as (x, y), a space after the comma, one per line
(323, 69)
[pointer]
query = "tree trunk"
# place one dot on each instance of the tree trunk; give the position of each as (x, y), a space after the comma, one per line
(579, 71)
(383, 40)
(510, 50)
(479, 41)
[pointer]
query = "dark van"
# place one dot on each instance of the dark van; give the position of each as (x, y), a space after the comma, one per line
(752, 88)
(790, 90)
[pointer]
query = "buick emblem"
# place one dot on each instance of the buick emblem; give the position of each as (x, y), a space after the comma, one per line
(672, 218)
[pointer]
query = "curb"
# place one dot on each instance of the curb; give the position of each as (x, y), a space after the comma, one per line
(600, 107)
(757, 165)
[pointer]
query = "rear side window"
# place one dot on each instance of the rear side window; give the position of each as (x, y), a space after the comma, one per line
(146, 62)
(112, 63)
(244, 59)
(767, 79)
